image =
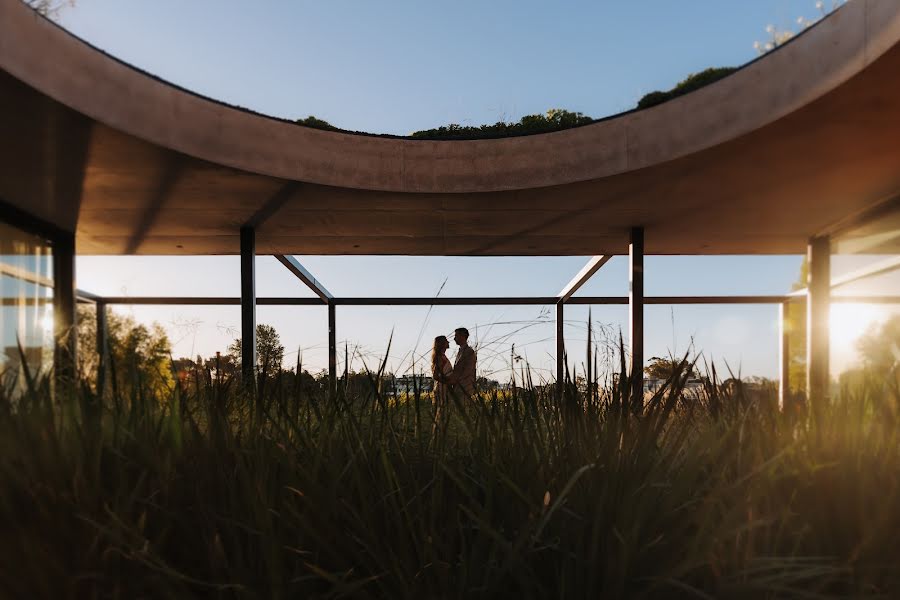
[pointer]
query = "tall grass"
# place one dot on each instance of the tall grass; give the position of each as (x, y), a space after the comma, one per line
(209, 491)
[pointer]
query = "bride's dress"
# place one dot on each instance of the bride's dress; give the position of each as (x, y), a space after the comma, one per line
(440, 387)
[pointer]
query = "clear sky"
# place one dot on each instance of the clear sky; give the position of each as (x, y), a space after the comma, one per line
(396, 67)
(402, 65)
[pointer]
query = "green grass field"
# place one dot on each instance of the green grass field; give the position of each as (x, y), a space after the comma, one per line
(206, 491)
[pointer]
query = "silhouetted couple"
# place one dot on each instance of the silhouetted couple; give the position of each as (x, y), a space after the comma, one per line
(459, 378)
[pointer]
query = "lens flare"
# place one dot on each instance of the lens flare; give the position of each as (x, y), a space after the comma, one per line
(849, 321)
(47, 322)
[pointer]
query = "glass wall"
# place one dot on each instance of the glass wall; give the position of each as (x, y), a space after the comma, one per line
(865, 268)
(26, 314)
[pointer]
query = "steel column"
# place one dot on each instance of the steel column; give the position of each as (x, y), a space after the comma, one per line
(332, 351)
(64, 309)
(636, 313)
(817, 312)
(587, 367)
(560, 349)
(248, 306)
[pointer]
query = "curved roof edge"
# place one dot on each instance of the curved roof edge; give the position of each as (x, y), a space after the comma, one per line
(111, 92)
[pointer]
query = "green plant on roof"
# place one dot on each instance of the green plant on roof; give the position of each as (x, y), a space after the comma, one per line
(692, 82)
(317, 123)
(555, 119)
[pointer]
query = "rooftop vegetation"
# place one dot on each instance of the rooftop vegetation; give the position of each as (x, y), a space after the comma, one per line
(692, 82)
(555, 119)
(558, 119)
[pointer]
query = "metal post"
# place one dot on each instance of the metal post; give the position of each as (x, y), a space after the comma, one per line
(636, 313)
(560, 349)
(784, 358)
(102, 348)
(817, 312)
(64, 310)
(587, 367)
(248, 307)
(332, 352)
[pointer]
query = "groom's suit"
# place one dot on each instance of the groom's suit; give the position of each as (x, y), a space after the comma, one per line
(464, 370)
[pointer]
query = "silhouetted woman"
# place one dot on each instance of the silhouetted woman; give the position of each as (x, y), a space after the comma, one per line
(441, 367)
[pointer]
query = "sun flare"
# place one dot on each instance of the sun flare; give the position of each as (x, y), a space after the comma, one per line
(849, 321)
(47, 322)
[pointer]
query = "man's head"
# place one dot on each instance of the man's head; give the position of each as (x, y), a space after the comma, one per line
(461, 336)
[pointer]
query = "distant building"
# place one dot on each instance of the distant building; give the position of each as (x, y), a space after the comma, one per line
(411, 383)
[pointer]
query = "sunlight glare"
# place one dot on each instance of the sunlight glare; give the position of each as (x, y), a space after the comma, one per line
(849, 321)
(47, 322)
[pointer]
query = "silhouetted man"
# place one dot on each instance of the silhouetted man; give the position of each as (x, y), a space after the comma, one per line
(463, 375)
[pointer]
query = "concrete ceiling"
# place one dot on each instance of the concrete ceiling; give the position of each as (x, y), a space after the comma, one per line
(789, 147)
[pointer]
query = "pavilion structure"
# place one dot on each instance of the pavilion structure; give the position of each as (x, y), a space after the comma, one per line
(798, 151)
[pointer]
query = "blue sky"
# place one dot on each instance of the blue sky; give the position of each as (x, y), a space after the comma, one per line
(396, 67)
(399, 66)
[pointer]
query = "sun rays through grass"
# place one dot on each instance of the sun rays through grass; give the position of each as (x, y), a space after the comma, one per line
(210, 491)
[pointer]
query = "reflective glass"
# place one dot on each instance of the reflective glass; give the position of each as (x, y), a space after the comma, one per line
(26, 314)
(865, 264)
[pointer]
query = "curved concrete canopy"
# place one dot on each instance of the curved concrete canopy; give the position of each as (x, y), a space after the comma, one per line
(756, 163)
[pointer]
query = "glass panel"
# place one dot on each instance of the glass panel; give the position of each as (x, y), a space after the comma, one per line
(26, 324)
(429, 276)
(739, 340)
(865, 274)
(726, 275)
(504, 337)
(185, 276)
(865, 264)
(607, 324)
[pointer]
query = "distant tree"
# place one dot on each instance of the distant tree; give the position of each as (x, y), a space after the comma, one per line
(221, 365)
(269, 351)
(879, 347)
(663, 368)
(795, 328)
(138, 354)
(879, 352)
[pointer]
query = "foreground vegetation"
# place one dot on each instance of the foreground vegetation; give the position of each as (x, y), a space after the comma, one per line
(208, 491)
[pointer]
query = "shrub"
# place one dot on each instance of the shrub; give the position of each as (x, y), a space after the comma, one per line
(555, 119)
(692, 82)
(316, 123)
